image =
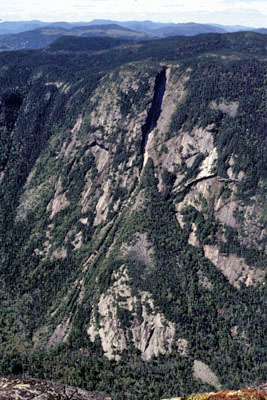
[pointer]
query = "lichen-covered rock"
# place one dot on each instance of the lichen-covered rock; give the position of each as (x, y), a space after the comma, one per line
(18, 388)
(204, 373)
(243, 394)
(151, 332)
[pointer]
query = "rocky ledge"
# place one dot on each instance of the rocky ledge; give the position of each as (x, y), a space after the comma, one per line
(20, 388)
(245, 394)
(28, 388)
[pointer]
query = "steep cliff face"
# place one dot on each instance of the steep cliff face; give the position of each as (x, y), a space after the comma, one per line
(124, 318)
(133, 217)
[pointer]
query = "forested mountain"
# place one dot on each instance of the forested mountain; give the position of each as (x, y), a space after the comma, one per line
(42, 37)
(133, 214)
(9, 27)
(36, 34)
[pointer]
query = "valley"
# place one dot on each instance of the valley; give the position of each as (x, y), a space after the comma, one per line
(133, 214)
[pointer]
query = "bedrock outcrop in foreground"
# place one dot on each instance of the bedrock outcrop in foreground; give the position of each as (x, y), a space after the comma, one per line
(243, 394)
(19, 388)
(28, 388)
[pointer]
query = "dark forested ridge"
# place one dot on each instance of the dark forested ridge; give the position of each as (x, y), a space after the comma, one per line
(129, 261)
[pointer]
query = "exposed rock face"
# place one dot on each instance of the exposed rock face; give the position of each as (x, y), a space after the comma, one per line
(253, 232)
(151, 333)
(225, 212)
(126, 202)
(16, 388)
(204, 373)
(174, 94)
(149, 329)
(228, 108)
(68, 148)
(234, 268)
(102, 205)
(60, 334)
(1, 177)
(59, 201)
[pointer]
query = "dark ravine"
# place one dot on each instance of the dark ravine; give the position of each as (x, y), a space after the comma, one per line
(9, 110)
(155, 110)
(94, 142)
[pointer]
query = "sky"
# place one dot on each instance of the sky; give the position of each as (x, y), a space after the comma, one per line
(252, 13)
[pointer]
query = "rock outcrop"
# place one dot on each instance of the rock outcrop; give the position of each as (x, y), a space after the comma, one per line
(148, 329)
(18, 388)
(242, 394)
(133, 210)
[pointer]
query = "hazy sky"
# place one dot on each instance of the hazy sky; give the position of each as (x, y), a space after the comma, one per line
(226, 12)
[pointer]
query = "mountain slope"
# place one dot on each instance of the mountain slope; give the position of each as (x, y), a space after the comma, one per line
(42, 37)
(133, 214)
(9, 27)
(36, 34)
(187, 29)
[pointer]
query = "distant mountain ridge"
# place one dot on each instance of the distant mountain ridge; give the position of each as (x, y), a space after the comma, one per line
(42, 37)
(9, 27)
(20, 35)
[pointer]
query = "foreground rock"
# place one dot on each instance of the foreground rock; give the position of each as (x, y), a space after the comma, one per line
(28, 388)
(19, 388)
(244, 394)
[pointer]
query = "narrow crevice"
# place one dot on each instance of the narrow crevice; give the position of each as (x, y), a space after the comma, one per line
(194, 182)
(94, 142)
(155, 109)
(149, 338)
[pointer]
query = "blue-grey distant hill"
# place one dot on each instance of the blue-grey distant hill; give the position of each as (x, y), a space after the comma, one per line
(187, 29)
(42, 37)
(18, 35)
(8, 27)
